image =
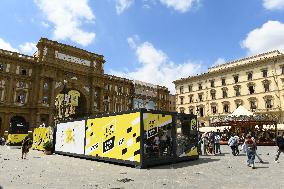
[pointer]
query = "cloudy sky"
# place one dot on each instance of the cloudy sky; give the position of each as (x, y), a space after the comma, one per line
(155, 41)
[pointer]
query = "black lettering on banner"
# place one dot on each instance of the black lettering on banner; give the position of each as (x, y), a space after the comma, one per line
(120, 142)
(108, 144)
(94, 147)
(152, 132)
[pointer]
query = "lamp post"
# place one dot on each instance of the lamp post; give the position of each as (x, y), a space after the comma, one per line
(197, 113)
(64, 99)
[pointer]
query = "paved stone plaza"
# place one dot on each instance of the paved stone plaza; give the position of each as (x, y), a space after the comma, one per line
(56, 171)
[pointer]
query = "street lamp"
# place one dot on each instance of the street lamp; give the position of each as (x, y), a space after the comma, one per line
(197, 113)
(64, 98)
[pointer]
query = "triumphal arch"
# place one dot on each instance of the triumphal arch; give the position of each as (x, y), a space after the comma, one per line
(61, 81)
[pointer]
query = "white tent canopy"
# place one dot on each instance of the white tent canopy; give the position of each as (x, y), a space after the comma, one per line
(241, 111)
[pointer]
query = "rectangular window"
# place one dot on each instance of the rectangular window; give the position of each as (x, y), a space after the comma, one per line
(201, 112)
(252, 105)
(226, 108)
(24, 72)
(212, 83)
(268, 103)
(282, 70)
(191, 99)
(21, 98)
(264, 73)
(200, 97)
(236, 78)
(200, 86)
(181, 90)
(250, 76)
(214, 109)
(181, 100)
(213, 96)
(45, 100)
(191, 111)
(225, 94)
(238, 93)
(251, 89)
(223, 81)
(266, 87)
(2, 68)
(189, 88)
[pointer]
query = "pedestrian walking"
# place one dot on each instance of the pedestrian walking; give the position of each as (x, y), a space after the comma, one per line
(233, 143)
(250, 147)
(256, 154)
(26, 145)
(211, 143)
(217, 143)
(205, 142)
(280, 144)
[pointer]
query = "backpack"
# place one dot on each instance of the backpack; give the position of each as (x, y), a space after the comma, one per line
(250, 144)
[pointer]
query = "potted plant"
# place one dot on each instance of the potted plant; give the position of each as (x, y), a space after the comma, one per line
(47, 148)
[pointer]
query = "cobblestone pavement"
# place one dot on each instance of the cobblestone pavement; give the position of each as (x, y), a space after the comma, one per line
(56, 171)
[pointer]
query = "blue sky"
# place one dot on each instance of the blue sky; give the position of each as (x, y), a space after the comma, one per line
(155, 41)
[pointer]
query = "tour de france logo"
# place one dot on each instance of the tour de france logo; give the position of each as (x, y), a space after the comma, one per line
(109, 137)
(69, 135)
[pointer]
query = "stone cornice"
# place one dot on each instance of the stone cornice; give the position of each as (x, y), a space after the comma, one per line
(69, 48)
(16, 55)
(225, 70)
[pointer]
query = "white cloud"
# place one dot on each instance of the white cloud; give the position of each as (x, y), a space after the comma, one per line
(67, 18)
(180, 5)
(28, 48)
(45, 24)
(122, 5)
(156, 67)
(7, 46)
(270, 36)
(273, 4)
(219, 61)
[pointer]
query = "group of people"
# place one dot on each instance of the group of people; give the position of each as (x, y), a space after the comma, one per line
(210, 143)
(159, 145)
(260, 135)
(250, 148)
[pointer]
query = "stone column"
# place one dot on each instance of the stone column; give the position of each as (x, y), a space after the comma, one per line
(5, 123)
(91, 99)
(40, 91)
(10, 91)
(52, 95)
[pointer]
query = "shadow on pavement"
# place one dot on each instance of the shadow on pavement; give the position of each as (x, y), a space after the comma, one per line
(186, 163)
(257, 167)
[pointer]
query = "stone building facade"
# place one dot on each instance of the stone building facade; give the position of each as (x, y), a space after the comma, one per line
(31, 85)
(256, 82)
(172, 103)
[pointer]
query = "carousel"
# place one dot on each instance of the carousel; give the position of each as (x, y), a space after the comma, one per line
(241, 122)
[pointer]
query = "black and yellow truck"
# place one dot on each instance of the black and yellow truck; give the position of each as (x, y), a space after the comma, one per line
(140, 138)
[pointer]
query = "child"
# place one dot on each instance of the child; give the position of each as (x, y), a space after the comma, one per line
(26, 145)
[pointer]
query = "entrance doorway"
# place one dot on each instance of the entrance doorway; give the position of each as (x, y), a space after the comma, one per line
(18, 124)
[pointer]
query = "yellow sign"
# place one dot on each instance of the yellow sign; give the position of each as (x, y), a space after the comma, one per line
(115, 137)
(16, 138)
(41, 135)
